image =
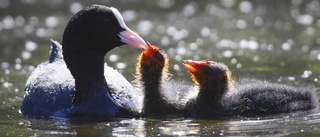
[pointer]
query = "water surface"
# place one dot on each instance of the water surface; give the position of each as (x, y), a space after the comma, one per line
(266, 39)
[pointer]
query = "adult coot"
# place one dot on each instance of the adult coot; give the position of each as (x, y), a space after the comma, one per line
(77, 83)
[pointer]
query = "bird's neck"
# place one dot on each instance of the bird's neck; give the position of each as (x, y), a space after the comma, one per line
(88, 72)
(150, 75)
(212, 91)
(151, 79)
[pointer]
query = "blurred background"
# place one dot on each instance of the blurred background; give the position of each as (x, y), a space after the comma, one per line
(265, 39)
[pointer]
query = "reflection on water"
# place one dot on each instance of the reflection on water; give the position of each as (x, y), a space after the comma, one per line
(274, 40)
(272, 126)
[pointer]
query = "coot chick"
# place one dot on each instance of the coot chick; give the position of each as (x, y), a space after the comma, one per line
(218, 97)
(215, 84)
(78, 84)
(162, 97)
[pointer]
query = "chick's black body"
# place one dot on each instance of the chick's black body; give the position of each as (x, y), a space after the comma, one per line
(219, 97)
(163, 98)
(256, 98)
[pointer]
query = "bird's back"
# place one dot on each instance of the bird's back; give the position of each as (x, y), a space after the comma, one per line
(255, 97)
(50, 86)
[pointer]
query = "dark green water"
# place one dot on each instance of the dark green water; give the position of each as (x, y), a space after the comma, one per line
(266, 39)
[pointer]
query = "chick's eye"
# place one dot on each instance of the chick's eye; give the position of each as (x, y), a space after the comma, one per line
(159, 56)
(211, 71)
(207, 70)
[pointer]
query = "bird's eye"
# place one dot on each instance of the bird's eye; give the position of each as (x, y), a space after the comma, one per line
(212, 71)
(159, 56)
(207, 70)
(106, 21)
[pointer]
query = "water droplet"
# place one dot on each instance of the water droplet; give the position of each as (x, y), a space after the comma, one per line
(18, 60)
(239, 65)
(233, 61)
(306, 74)
(226, 43)
(177, 57)
(34, 20)
(318, 23)
(199, 41)
(305, 48)
(227, 53)
(296, 2)
(313, 7)
(28, 1)
(176, 67)
(278, 24)
(228, 3)
(8, 22)
(240, 53)
(241, 24)
(4, 3)
(291, 78)
(287, 26)
(121, 65)
(5, 65)
(318, 56)
(286, 46)
(7, 85)
(144, 27)
(256, 58)
(253, 45)
(29, 29)
(304, 19)
(19, 21)
(51, 21)
(196, 57)
(205, 32)
(270, 47)
(30, 45)
(315, 79)
(41, 32)
(171, 30)
(17, 66)
(165, 40)
(258, 21)
(75, 7)
(129, 15)
(113, 57)
(245, 6)
(26, 55)
(189, 9)
(181, 50)
(165, 3)
(193, 46)
(7, 72)
(310, 31)
(245, 44)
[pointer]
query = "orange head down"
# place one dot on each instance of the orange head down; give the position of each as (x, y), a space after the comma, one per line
(152, 62)
(206, 70)
(153, 55)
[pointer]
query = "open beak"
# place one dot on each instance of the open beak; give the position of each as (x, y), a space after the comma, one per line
(133, 39)
(190, 65)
